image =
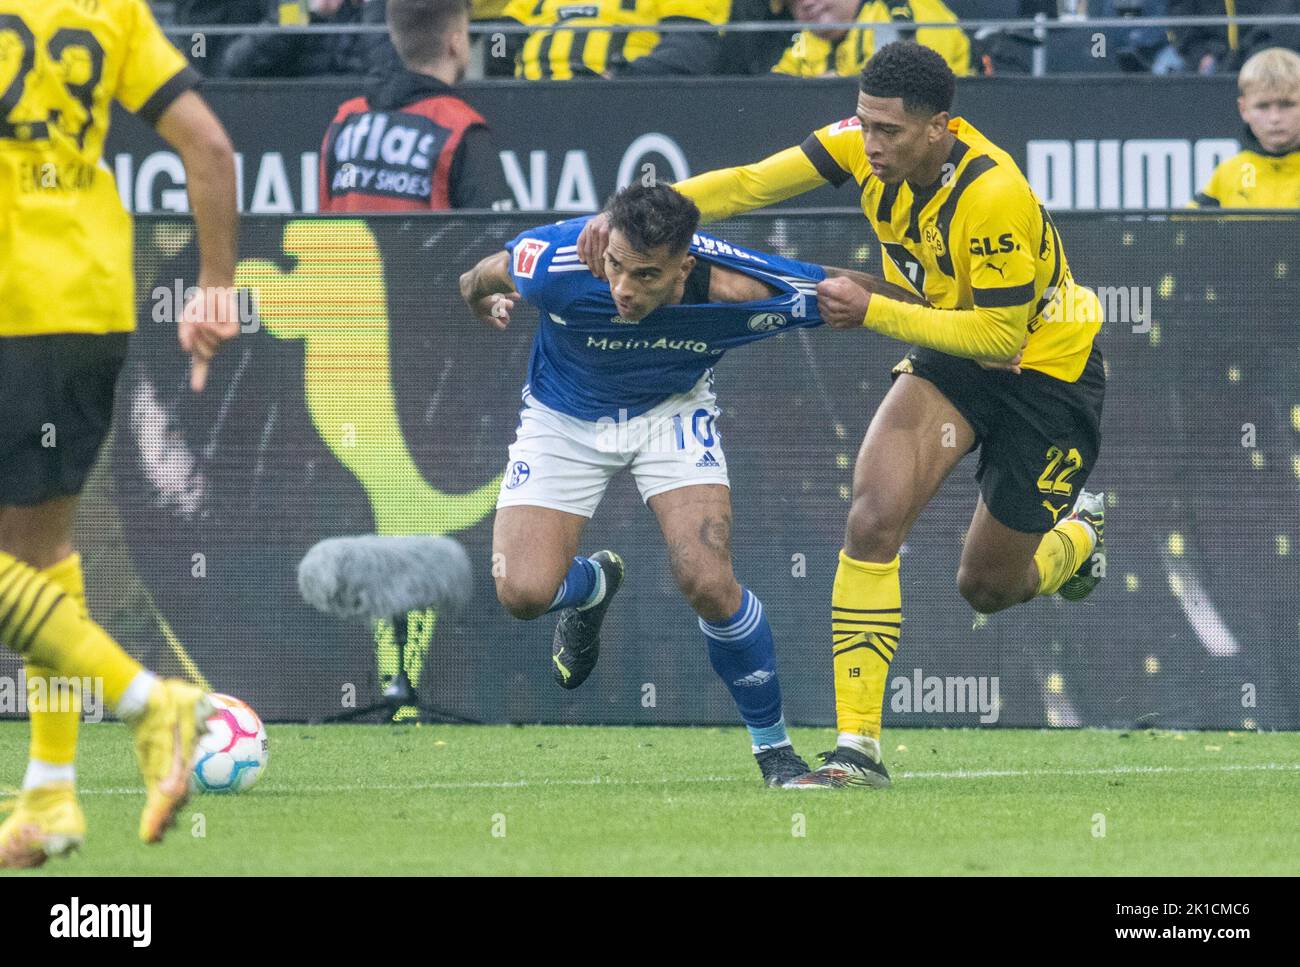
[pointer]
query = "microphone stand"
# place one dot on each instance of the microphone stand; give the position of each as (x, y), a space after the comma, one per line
(399, 693)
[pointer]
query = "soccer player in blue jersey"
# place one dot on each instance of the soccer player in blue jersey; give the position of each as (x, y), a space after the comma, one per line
(621, 375)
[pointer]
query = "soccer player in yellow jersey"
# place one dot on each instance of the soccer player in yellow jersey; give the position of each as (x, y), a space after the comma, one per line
(1005, 363)
(1267, 173)
(66, 308)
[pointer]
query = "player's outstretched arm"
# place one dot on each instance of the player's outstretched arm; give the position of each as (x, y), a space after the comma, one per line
(875, 285)
(843, 305)
(489, 291)
(721, 194)
(212, 317)
(729, 191)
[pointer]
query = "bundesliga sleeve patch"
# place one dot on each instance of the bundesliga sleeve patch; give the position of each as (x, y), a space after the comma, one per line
(527, 254)
(839, 127)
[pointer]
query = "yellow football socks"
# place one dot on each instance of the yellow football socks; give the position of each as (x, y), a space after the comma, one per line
(1063, 549)
(866, 617)
(49, 627)
(54, 717)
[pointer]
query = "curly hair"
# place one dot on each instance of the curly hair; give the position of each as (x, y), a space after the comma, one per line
(654, 215)
(917, 74)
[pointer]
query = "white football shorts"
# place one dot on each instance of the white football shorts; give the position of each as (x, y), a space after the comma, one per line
(565, 463)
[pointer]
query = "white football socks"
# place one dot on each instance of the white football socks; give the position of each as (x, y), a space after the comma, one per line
(136, 697)
(860, 743)
(43, 773)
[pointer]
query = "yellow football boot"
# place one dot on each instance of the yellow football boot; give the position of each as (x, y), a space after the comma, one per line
(45, 821)
(166, 744)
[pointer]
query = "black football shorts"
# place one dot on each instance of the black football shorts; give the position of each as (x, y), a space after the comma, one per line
(56, 405)
(1038, 437)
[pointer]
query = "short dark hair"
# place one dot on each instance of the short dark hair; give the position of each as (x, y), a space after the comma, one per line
(417, 27)
(917, 74)
(654, 215)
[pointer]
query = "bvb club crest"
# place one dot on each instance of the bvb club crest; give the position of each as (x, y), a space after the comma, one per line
(934, 239)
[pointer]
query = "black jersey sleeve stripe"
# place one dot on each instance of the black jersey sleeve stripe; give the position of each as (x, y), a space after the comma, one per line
(186, 79)
(1206, 201)
(1049, 293)
(1003, 298)
(821, 159)
(921, 197)
(885, 210)
(974, 168)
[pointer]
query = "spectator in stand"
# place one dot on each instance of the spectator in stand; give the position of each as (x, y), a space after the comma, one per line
(827, 53)
(553, 52)
(208, 56)
(1267, 173)
(410, 143)
(1141, 49)
(300, 55)
(1208, 50)
(749, 51)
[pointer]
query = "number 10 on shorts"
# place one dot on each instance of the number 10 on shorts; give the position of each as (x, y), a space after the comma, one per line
(701, 429)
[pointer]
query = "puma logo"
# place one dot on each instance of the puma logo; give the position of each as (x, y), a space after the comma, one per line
(998, 268)
(1055, 511)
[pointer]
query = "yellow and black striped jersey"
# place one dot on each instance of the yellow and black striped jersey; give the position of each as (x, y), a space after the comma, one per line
(978, 245)
(1254, 179)
(560, 54)
(65, 240)
(813, 56)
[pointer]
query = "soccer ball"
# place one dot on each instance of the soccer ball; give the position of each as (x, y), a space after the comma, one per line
(233, 753)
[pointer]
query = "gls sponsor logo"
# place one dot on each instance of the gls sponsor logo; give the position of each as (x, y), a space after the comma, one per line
(987, 246)
(1087, 175)
(102, 921)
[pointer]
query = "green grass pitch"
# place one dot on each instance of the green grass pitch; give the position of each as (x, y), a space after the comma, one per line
(585, 800)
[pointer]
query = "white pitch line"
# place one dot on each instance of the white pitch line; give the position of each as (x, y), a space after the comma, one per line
(597, 781)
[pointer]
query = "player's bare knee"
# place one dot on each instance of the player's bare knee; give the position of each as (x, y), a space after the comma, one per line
(714, 597)
(522, 600)
(984, 595)
(873, 532)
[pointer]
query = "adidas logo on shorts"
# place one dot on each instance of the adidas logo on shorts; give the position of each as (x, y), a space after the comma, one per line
(707, 461)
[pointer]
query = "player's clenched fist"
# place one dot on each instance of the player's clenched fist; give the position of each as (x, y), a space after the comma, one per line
(842, 303)
(494, 310)
(489, 291)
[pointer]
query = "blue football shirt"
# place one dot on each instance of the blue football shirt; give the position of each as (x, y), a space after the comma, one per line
(590, 363)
